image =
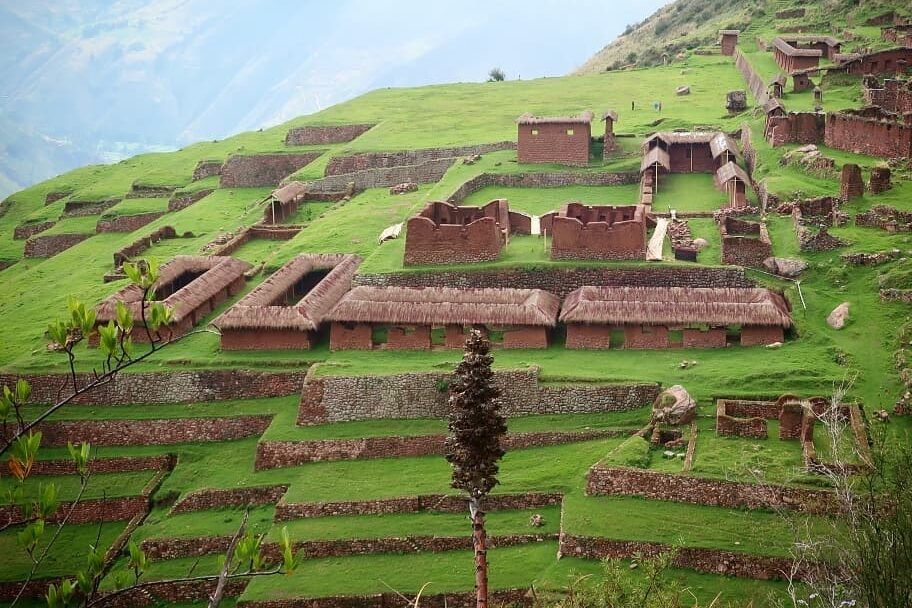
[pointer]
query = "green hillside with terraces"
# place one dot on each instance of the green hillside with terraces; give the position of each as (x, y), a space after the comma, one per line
(230, 460)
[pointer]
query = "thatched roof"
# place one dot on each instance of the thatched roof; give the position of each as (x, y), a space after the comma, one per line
(289, 192)
(772, 105)
(675, 306)
(656, 156)
(443, 306)
(256, 309)
(780, 79)
(722, 143)
(784, 47)
(729, 32)
(730, 171)
(610, 114)
(218, 273)
(583, 118)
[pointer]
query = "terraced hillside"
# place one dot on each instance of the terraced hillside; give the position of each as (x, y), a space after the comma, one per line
(343, 448)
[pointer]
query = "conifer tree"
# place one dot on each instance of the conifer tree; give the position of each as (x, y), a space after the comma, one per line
(473, 446)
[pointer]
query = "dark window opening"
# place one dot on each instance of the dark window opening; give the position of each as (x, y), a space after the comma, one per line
(301, 288)
(179, 282)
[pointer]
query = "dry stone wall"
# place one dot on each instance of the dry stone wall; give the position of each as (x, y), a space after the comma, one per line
(547, 179)
(339, 165)
(50, 245)
(127, 223)
(207, 168)
(562, 281)
(424, 173)
(622, 481)
(167, 387)
(423, 395)
(184, 200)
(25, 231)
(322, 135)
(258, 170)
(519, 598)
(203, 500)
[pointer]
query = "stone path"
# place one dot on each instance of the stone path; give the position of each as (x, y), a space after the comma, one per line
(654, 249)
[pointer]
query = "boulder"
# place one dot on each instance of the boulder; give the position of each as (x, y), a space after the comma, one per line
(674, 406)
(683, 90)
(736, 101)
(837, 319)
(785, 267)
(701, 244)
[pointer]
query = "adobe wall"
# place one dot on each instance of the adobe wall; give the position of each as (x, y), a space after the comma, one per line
(203, 500)
(339, 165)
(276, 454)
(759, 336)
(424, 173)
(411, 337)
(740, 247)
(320, 135)
(573, 240)
(419, 395)
(207, 168)
(435, 503)
(166, 387)
(868, 136)
(258, 339)
(50, 245)
(795, 127)
(583, 336)
(25, 231)
(714, 561)
(548, 179)
(712, 338)
(552, 144)
(882, 62)
(355, 336)
(622, 481)
(700, 159)
(257, 170)
(643, 336)
(755, 83)
(151, 432)
(728, 44)
(182, 201)
(127, 223)
(525, 337)
(563, 281)
(430, 243)
(739, 423)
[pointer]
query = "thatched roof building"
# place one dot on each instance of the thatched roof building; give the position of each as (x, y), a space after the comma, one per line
(185, 284)
(675, 306)
(290, 192)
(446, 306)
(262, 308)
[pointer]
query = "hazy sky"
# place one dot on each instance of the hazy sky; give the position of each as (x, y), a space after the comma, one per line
(106, 79)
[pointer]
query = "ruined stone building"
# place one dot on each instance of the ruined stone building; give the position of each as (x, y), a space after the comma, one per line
(554, 139)
(601, 232)
(670, 317)
(728, 41)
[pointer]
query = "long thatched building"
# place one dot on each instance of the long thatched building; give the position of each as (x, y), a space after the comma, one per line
(191, 286)
(286, 310)
(668, 317)
(418, 318)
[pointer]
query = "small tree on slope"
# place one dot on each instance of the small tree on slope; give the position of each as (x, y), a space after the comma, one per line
(473, 444)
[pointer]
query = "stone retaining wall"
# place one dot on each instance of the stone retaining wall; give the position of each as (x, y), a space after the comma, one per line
(132, 250)
(275, 454)
(425, 395)
(118, 464)
(425, 173)
(127, 223)
(714, 561)
(50, 245)
(437, 503)
(339, 165)
(501, 597)
(869, 136)
(86, 511)
(25, 231)
(202, 500)
(172, 592)
(85, 208)
(184, 200)
(58, 433)
(622, 481)
(755, 83)
(166, 387)
(258, 170)
(207, 168)
(547, 179)
(561, 282)
(321, 135)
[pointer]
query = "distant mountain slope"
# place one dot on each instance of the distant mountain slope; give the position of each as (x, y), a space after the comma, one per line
(686, 25)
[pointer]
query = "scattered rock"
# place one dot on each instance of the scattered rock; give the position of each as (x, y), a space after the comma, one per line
(668, 454)
(403, 188)
(882, 415)
(537, 521)
(774, 345)
(683, 90)
(701, 244)
(471, 160)
(837, 319)
(674, 406)
(785, 267)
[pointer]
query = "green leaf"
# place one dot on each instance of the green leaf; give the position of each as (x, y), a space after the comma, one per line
(124, 318)
(23, 390)
(132, 271)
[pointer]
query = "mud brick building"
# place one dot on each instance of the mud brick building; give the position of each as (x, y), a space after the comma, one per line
(890, 62)
(191, 286)
(744, 243)
(419, 318)
(728, 40)
(802, 52)
(286, 310)
(670, 317)
(891, 95)
(444, 233)
(554, 139)
(581, 232)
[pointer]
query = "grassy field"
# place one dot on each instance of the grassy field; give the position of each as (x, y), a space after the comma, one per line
(538, 201)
